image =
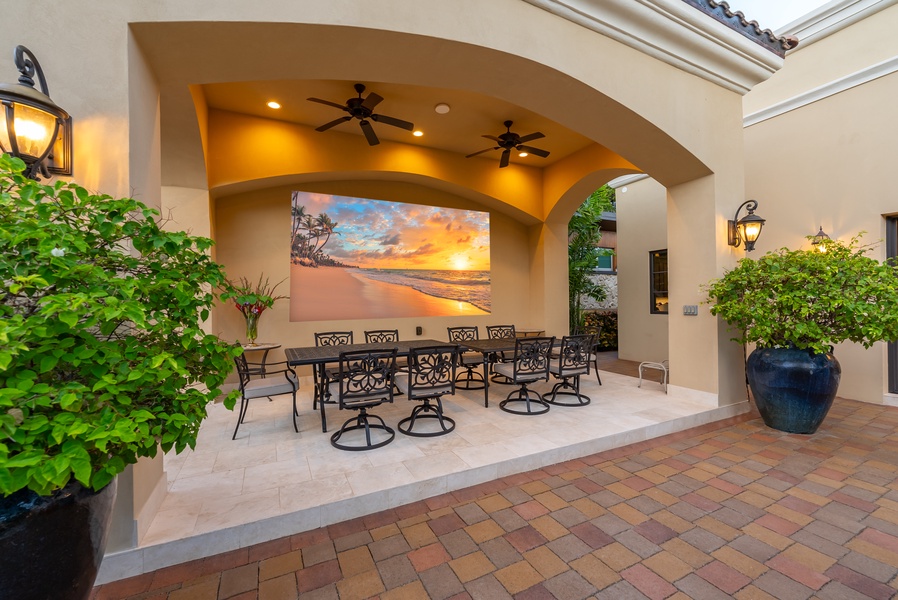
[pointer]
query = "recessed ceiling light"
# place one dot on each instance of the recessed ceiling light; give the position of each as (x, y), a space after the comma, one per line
(273, 104)
(417, 133)
(442, 108)
(522, 154)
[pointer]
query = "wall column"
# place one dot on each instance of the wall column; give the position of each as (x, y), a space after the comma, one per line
(702, 358)
(549, 278)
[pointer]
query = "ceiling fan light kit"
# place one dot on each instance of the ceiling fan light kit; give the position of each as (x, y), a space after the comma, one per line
(363, 110)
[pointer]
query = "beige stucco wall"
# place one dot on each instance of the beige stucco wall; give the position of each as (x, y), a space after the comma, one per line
(126, 71)
(642, 228)
(253, 236)
(829, 163)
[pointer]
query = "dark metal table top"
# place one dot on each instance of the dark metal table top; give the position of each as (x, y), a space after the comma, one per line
(313, 355)
(494, 345)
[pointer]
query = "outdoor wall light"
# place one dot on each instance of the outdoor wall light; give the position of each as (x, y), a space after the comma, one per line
(33, 127)
(747, 229)
(819, 241)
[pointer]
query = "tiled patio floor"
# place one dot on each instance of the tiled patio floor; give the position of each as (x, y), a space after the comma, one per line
(726, 510)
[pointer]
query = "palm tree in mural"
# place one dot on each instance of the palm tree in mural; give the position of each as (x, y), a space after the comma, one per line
(309, 236)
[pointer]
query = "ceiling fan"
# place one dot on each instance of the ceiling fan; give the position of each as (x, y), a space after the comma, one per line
(510, 140)
(363, 110)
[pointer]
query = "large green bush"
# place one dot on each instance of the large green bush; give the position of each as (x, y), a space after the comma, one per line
(102, 358)
(808, 299)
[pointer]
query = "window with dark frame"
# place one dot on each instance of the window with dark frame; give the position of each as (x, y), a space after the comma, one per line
(658, 281)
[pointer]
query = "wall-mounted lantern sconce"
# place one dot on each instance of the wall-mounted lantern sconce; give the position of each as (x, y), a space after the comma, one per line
(33, 127)
(747, 229)
(819, 241)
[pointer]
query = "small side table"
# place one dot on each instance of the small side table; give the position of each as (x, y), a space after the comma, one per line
(264, 349)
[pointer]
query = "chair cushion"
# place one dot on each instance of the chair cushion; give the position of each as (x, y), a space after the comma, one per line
(271, 386)
(507, 369)
(402, 382)
(471, 358)
(555, 368)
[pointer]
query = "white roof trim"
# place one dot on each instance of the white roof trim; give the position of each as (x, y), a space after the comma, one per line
(886, 67)
(830, 18)
(676, 33)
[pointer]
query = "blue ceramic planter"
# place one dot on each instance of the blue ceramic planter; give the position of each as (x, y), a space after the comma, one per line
(52, 545)
(793, 388)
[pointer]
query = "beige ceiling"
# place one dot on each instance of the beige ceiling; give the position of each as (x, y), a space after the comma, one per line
(471, 116)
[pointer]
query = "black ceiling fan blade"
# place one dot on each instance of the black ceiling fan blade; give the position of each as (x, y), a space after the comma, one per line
(327, 102)
(532, 150)
(482, 151)
(369, 133)
(394, 122)
(533, 136)
(372, 100)
(333, 123)
(492, 137)
(503, 162)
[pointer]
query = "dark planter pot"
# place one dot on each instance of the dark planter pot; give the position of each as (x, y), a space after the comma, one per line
(51, 546)
(793, 388)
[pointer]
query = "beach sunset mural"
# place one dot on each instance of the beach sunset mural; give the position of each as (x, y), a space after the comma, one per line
(356, 258)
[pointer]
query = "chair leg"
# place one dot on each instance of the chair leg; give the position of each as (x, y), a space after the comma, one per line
(295, 413)
(565, 384)
(464, 381)
(242, 413)
(426, 411)
(533, 404)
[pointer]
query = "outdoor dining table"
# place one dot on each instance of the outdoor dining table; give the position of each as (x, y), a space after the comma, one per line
(318, 356)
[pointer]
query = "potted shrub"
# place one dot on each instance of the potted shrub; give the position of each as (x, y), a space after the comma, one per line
(795, 305)
(102, 361)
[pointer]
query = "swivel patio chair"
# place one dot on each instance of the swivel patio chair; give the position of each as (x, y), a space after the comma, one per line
(430, 376)
(471, 378)
(254, 384)
(497, 332)
(572, 361)
(327, 338)
(365, 380)
(529, 365)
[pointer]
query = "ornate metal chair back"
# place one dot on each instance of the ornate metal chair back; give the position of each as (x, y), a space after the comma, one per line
(463, 334)
(495, 332)
(379, 336)
(531, 358)
(366, 377)
(333, 338)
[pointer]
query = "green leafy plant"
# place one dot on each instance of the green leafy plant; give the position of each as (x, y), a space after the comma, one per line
(102, 357)
(584, 234)
(809, 299)
(252, 298)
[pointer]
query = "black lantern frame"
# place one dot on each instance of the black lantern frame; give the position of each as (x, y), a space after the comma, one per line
(739, 230)
(56, 158)
(819, 241)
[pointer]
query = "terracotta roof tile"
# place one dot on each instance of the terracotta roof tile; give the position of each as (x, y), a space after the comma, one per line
(750, 29)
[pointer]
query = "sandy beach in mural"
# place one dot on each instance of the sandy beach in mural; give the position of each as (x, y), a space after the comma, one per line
(328, 293)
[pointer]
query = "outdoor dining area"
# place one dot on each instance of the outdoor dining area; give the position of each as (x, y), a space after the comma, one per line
(361, 376)
(280, 474)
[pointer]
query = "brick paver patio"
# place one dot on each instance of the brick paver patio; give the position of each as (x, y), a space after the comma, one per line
(728, 510)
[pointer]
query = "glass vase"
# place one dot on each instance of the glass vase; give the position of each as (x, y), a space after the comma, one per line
(252, 328)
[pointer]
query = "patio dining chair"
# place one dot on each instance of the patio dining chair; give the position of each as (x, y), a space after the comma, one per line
(430, 376)
(327, 338)
(529, 365)
(254, 384)
(499, 332)
(365, 380)
(572, 360)
(471, 378)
